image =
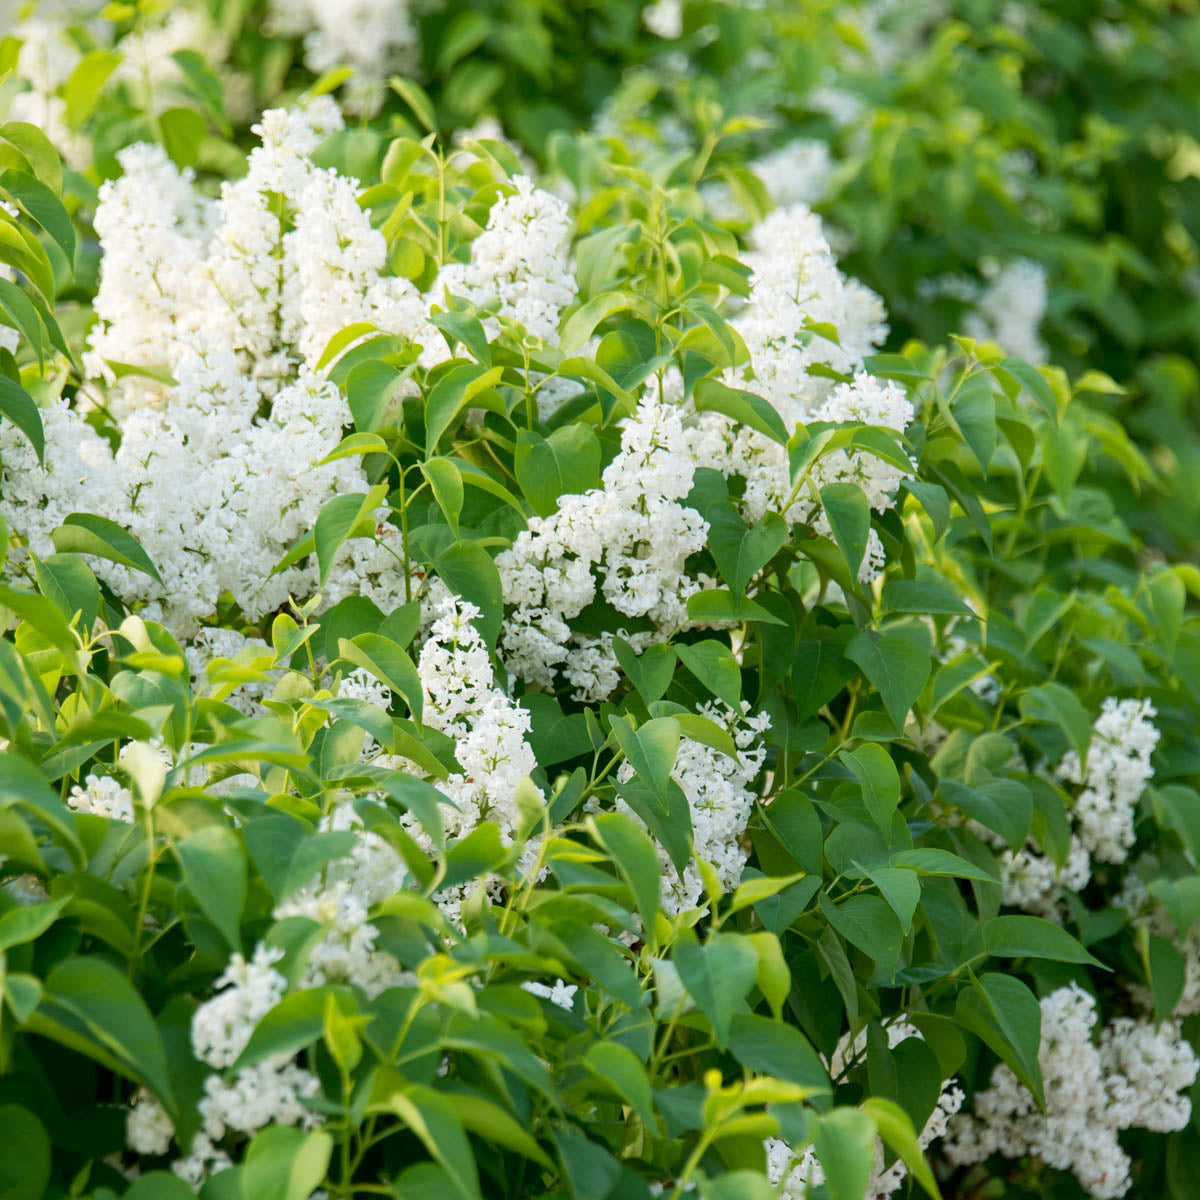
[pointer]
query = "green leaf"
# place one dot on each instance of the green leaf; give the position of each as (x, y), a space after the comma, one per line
(896, 1128)
(901, 889)
(1032, 380)
(68, 581)
(389, 663)
(581, 324)
(974, 409)
(1058, 705)
(17, 405)
(896, 664)
(633, 853)
(295, 1023)
(432, 1118)
(28, 922)
(1032, 937)
(25, 1167)
(84, 533)
(565, 463)
(713, 664)
(650, 750)
(417, 99)
(37, 150)
(719, 604)
(90, 1006)
(214, 870)
(454, 391)
(1005, 1014)
(845, 1145)
(717, 976)
(927, 860)
(490, 1122)
(344, 517)
(618, 1066)
(1002, 805)
(447, 486)
(83, 87)
(43, 206)
(917, 596)
(24, 316)
(867, 922)
(849, 516)
(160, 1185)
(776, 1048)
(873, 768)
(740, 552)
(284, 1163)
(468, 570)
(710, 395)
(183, 129)
(651, 671)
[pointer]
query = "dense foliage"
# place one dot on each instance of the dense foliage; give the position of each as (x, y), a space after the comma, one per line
(596, 602)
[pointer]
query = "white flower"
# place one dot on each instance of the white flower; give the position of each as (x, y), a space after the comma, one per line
(103, 796)
(1132, 1078)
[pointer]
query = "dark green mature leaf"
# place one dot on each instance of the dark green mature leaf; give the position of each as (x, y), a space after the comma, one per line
(717, 975)
(1002, 805)
(711, 395)
(25, 1169)
(214, 870)
(1058, 705)
(17, 405)
(740, 552)
(85, 533)
(469, 571)
(635, 857)
(896, 664)
(873, 768)
(1005, 1014)
(927, 860)
(974, 408)
(1031, 937)
(869, 923)
(90, 1006)
(651, 671)
(775, 1048)
(713, 664)
(388, 662)
(849, 516)
(650, 750)
(567, 461)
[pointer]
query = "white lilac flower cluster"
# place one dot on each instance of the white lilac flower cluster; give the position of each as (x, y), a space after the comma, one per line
(794, 1174)
(377, 38)
(519, 261)
(720, 800)
(796, 284)
(1102, 816)
(1132, 1077)
(463, 701)
(273, 1090)
(626, 542)
(804, 313)
(237, 300)
(102, 796)
(1114, 777)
